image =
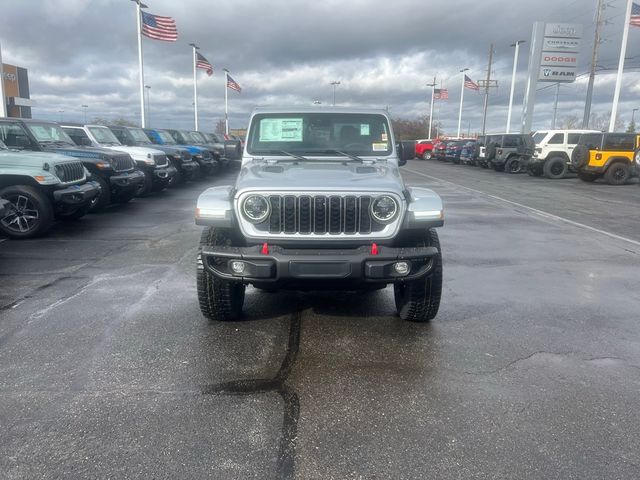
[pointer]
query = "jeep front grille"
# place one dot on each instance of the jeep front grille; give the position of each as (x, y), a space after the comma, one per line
(123, 163)
(321, 214)
(161, 160)
(70, 172)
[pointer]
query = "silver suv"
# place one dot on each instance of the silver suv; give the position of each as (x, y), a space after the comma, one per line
(320, 203)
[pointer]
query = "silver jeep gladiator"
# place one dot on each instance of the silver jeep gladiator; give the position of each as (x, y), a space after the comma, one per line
(319, 203)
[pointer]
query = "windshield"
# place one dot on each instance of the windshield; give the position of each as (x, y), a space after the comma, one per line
(2, 146)
(49, 133)
(166, 137)
(538, 137)
(198, 139)
(592, 140)
(320, 133)
(139, 135)
(104, 135)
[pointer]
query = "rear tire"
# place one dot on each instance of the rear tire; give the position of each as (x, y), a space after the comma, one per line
(513, 165)
(534, 170)
(618, 173)
(419, 300)
(555, 168)
(220, 300)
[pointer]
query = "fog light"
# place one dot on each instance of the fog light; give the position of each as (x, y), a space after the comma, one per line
(237, 267)
(401, 268)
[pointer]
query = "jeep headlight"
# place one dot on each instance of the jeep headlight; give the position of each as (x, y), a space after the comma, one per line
(149, 160)
(255, 208)
(384, 209)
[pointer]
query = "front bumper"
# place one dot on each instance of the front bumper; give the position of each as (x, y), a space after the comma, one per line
(77, 195)
(281, 266)
(163, 175)
(189, 166)
(126, 180)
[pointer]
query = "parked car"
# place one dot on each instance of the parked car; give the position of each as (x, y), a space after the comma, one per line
(209, 165)
(424, 149)
(320, 204)
(37, 187)
(216, 148)
(153, 163)
(481, 155)
(468, 153)
(612, 156)
(233, 146)
(552, 156)
(115, 171)
(439, 150)
(198, 158)
(453, 151)
(509, 152)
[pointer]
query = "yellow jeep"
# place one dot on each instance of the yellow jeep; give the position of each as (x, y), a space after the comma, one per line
(609, 155)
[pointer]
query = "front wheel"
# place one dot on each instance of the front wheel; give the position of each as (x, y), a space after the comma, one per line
(220, 300)
(30, 212)
(426, 156)
(555, 168)
(419, 300)
(145, 187)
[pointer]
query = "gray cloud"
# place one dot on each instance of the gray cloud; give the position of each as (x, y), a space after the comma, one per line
(287, 52)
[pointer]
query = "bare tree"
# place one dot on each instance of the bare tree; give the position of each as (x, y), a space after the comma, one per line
(570, 122)
(121, 121)
(601, 122)
(220, 126)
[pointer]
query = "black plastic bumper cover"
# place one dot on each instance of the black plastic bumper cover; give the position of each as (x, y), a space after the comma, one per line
(77, 194)
(127, 179)
(285, 264)
(163, 175)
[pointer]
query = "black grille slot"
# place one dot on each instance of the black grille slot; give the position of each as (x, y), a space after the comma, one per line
(321, 214)
(70, 172)
(122, 163)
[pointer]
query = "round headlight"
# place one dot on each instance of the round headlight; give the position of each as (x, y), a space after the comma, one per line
(384, 209)
(255, 208)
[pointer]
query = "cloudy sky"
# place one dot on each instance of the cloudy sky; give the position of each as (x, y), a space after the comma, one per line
(287, 52)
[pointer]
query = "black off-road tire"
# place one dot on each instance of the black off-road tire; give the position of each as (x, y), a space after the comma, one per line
(419, 300)
(220, 300)
(146, 186)
(555, 168)
(588, 177)
(26, 202)
(103, 200)
(177, 178)
(618, 173)
(483, 164)
(579, 157)
(124, 197)
(513, 165)
(490, 152)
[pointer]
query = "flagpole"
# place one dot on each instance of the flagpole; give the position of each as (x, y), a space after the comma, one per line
(461, 100)
(433, 88)
(226, 102)
(139, 8)
(3, 99)
(623, 51)
(195, 85)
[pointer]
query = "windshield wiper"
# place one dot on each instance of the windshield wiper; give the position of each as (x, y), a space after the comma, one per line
(346, 154)
(289, 154)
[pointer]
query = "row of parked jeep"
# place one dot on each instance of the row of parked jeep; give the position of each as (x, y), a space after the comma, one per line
(590, 154)
(51, 171)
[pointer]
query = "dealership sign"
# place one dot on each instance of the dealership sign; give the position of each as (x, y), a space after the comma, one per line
(559, 52)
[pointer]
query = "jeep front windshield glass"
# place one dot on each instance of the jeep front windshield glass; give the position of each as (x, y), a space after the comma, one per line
(104, 135)
(198, 139)
(139, 136)
(319, 133)
(49, 133)
(166, 137)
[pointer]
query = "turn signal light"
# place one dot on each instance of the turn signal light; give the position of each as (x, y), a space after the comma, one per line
(265, 249)
(374, 249)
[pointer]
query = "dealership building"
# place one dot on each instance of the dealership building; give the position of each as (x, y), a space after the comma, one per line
(16, 90)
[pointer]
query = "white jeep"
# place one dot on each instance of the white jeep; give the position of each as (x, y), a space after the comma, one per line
(552, 157)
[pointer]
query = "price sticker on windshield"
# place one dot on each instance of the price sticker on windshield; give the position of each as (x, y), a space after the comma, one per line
(281, 130)
(379, 147)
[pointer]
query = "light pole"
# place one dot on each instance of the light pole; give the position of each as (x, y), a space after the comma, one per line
(139, 7)
(433, 86)
(195, 85)
(513, 80)
(633, 118)
(148, 89)
(461, 100)
(334, 84)
(84, 109)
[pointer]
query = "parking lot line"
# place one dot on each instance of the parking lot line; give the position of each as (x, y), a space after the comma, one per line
(531, 209)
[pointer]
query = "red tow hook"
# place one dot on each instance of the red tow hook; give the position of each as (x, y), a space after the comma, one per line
(265, 249)
(374, 249)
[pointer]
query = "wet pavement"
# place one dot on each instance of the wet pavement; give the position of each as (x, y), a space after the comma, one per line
(530, 370)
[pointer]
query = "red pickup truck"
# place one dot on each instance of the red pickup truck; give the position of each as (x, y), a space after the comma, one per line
(424, 149)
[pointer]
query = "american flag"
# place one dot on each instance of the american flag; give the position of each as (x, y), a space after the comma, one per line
(159, 28)
(204, 64)
(441, 94)
(635, 15)
(232, 84)
(468, 83)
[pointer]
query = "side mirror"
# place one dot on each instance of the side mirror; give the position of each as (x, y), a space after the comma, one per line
(406, 151)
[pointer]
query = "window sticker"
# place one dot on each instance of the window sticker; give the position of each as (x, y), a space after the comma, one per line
(364, 129)
(379, 147)
(281, 130)
(384, 137)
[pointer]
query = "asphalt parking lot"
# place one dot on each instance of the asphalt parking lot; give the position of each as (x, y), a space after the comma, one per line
(530, 370)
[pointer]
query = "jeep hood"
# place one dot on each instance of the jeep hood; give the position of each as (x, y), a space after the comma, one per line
(85, 152)
(136, 152)
(320, 175)
(32, 159)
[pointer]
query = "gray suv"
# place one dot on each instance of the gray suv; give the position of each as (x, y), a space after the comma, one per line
(510, 152)
(320, 204)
